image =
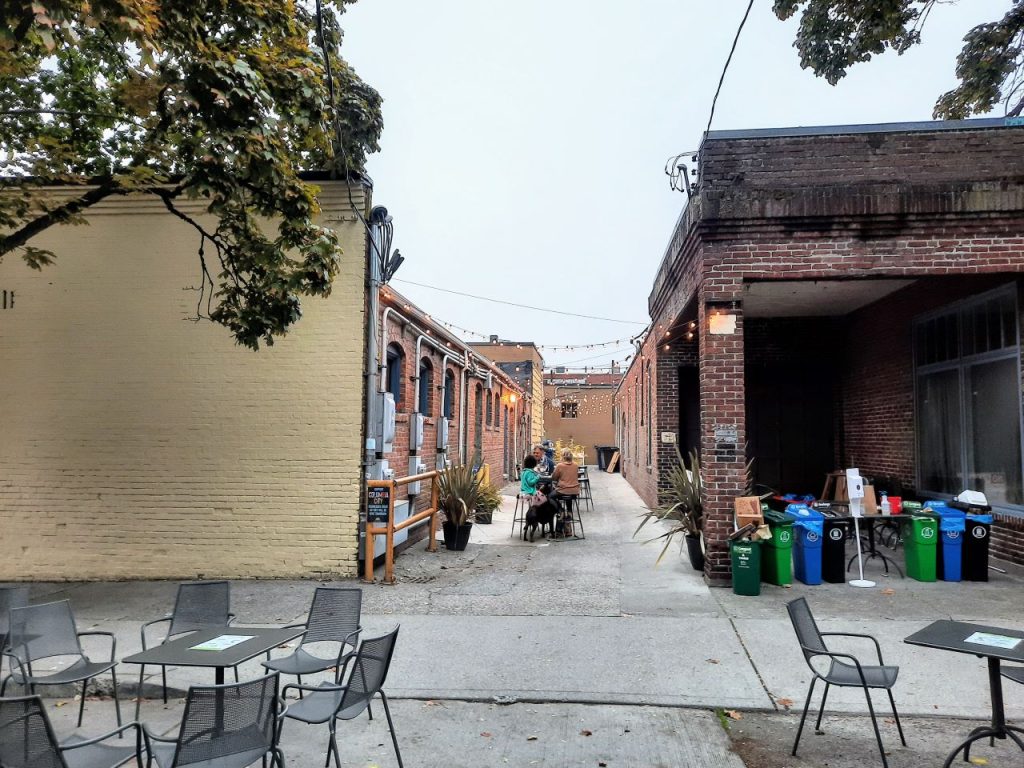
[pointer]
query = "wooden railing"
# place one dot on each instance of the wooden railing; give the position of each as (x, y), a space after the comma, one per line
(386, 509)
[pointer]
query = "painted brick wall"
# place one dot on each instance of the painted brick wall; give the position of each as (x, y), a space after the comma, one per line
(138, 444)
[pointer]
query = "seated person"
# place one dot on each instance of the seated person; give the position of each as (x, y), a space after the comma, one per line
(566, 476)
(544, 464)
(529, 477)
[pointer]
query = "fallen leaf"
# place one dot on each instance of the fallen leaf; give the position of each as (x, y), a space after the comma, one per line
(485, 734)
(585, 732)
(732, 714)
(60, 704)
(431, 703)
(787, 703)
(979, 761)
(602, 764)
(531, 738)
(712, 661)
(888, 591)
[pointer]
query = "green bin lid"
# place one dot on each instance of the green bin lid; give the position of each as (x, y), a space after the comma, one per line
(779, 518)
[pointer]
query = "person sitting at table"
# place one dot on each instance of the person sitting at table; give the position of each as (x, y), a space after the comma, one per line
(566, 478)
(544, 464)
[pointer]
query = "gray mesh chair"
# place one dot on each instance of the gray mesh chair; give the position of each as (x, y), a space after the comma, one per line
(224, 726)
(44, 632)
(329, 703)
(27, 740)
(333, 618)
(10, 597)
(198, 605)
(844, 670)
(1014, 673)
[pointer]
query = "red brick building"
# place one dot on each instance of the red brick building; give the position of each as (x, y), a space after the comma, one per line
(456, 403)
(835, 297)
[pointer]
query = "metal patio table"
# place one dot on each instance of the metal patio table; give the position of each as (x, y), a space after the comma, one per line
(179, 652)
(952, 636)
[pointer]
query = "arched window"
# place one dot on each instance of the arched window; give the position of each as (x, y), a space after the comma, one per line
(490, 409)
(393, 383)
(497, 409)
(426, 383)
(449, 392)
(478, 421)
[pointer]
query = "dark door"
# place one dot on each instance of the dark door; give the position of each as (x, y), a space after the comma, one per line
(789, 427)
(689, 409)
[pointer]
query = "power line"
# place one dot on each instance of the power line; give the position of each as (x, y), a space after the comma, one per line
(726, 67)
(521, 306)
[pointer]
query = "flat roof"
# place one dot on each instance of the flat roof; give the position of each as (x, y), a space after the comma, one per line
(831, 130)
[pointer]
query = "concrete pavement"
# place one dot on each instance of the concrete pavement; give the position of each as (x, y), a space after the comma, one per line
(591, 633)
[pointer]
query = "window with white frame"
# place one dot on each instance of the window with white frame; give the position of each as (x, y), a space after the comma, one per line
(570, 410)
(968, 399)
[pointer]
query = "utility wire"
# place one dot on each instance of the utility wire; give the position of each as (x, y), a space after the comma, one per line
(521, 306)
(726, 67)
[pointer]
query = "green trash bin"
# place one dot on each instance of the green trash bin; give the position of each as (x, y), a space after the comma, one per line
(777, 558)
(920, 536)
(746, 567)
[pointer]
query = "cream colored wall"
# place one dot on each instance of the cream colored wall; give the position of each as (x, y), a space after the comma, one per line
(537, 403)
(138, 444)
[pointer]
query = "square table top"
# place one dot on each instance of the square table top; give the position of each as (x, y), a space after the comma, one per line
(179, 653)
(952, 635)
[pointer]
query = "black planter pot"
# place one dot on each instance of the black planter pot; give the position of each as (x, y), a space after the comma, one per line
(456, 536)
(484, 518)
(695, 550)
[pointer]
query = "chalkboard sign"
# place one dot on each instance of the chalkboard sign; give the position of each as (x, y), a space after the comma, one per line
(378, 503)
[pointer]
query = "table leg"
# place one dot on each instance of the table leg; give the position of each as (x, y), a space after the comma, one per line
(218, 675)
(998, 729)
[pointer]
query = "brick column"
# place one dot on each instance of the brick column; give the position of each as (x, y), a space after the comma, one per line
(723, 430)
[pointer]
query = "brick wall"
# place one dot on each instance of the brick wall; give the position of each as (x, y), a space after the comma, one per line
(138, 444)
(592, 424)
(922, 205)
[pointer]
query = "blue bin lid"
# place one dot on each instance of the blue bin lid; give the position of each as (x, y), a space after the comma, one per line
(808, 518)
(950, 519)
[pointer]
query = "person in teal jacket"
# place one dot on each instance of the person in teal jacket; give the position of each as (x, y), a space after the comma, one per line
(529, 477)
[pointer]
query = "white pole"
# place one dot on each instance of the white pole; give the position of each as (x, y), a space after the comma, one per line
(861, 582)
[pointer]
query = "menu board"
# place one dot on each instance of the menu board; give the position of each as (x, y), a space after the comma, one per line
(378, 503)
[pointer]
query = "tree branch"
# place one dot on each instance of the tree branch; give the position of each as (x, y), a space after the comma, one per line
(59, 215)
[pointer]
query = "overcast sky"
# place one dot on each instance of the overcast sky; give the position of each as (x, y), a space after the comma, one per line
(524, 142)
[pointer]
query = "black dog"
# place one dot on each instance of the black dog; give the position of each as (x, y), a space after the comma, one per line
(540, 515)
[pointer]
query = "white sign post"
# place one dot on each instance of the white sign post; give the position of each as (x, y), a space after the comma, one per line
(855, 491)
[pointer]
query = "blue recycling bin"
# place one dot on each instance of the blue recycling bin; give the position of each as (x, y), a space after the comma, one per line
(808, 531)
(949, 552)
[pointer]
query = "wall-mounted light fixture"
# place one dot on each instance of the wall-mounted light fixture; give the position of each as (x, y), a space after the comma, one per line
(722, 317)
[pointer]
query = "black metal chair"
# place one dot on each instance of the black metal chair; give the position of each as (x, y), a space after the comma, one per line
(27, 740)
(198, 605)
(46, 631)
(329, 703)
(844, 670)
(333, 618)
(224, 726)
(1016, 674)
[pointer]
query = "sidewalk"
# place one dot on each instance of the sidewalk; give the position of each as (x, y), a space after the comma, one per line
(553, 639)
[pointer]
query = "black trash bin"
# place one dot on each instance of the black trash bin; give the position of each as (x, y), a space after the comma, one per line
(833, 551)
(604, 456)
(975, 548)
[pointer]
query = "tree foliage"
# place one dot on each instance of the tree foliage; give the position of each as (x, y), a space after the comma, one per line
(222, 101)
(836, 34)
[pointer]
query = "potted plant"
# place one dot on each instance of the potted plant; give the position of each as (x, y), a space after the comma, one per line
(488, 501)
(458, 497)
(681, 506)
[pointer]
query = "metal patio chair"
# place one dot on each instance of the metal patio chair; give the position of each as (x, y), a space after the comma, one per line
(329, 703)
(1014, 673)
(844, 670)
(10, 597)
(198, 605)
(45, 632)
(333, 618)
(224, 726)
(27, 740)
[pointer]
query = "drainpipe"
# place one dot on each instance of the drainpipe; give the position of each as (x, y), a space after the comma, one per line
(374, 427)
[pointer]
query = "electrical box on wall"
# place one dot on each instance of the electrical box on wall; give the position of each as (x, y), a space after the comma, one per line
(416, 467)
(442, 434)
(489, 381)
(386, 472)
(416, 422)
(441, 462)
(388, 419)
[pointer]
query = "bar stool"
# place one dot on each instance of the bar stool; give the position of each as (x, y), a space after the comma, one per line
(585, 495)
(519, 512)
(572, 515)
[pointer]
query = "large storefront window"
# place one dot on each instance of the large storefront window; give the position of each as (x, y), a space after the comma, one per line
(969, 399)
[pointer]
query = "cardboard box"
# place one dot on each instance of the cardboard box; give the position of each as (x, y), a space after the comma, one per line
(748, 510)
(870, 504)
